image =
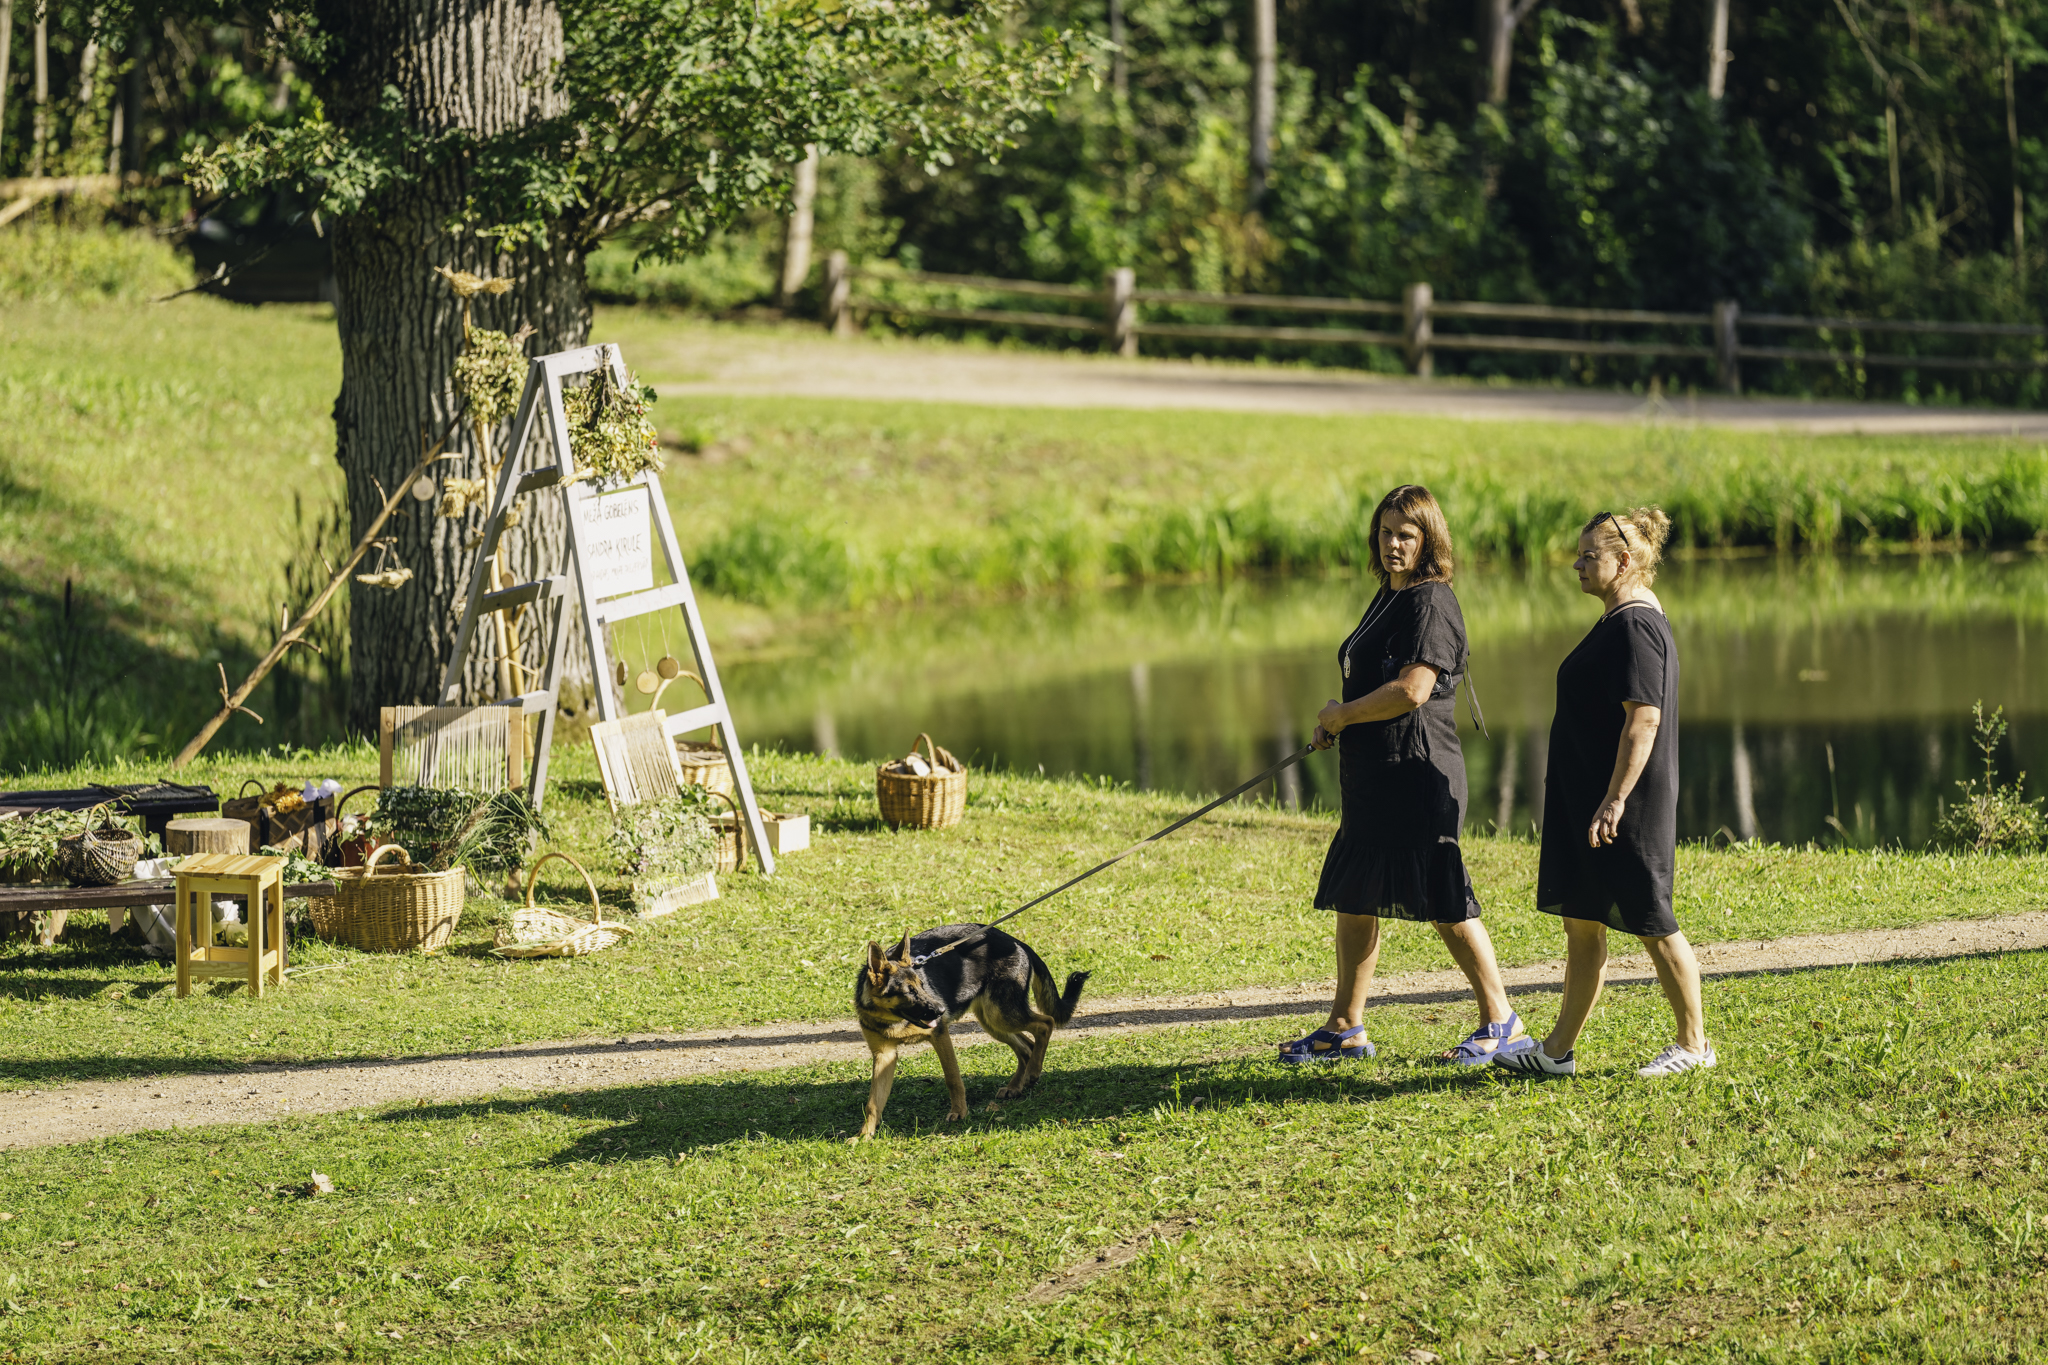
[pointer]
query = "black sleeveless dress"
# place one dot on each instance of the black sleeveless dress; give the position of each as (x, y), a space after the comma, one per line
(1402, 780)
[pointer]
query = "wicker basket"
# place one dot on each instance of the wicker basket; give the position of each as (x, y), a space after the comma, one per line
(325, 911)
(99, 857)
(731, 833)
(397, 909)
(705, 765)
(933, 802)
(540, 932)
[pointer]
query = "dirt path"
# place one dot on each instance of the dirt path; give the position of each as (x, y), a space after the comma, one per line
(257, 1093)
(703, 358)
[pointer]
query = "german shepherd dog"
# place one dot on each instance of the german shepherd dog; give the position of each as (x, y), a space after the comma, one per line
(913, 992)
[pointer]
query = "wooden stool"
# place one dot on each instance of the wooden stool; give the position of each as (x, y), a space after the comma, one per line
(259, 884)
(207, 834)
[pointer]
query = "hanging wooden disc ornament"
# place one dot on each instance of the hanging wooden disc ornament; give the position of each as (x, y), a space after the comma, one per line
(670, 666)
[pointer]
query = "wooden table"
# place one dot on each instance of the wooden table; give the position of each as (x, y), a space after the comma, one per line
(158, 892)
(155, 802)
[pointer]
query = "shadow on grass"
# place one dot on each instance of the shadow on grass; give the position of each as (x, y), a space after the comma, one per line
(672, 1119)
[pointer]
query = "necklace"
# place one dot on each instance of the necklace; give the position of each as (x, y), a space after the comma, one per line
(1372, 614)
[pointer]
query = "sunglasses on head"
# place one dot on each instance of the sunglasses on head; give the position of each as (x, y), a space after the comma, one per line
(1620, 526)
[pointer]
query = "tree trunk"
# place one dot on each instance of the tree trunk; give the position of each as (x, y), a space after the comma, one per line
(796, 242)
(1265, 61)
(486, 66)
(1717, 49)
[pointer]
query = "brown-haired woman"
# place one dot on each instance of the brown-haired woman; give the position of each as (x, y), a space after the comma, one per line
(1610, 797)
(1402, 777)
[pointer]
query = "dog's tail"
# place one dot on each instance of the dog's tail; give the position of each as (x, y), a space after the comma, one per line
(1060, 1007)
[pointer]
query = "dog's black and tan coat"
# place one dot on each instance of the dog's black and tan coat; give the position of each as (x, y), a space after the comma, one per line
(998, 979)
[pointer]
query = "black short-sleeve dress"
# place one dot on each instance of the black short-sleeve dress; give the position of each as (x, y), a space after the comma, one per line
(1402, 780)
(1629, 656)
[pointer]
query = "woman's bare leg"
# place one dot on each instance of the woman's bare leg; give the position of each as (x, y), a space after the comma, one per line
(1585, 971)
(1472, 949)
(1358, 954)
(1678, 972)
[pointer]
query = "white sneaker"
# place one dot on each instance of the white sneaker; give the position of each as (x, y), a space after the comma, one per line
(1675, 1059)
(1535, 1061)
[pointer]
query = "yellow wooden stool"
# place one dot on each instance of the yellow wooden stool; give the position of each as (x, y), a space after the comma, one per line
(259, 884)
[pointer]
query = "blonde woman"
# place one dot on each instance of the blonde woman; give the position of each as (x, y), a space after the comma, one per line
(1402, 778)
(1610, 798)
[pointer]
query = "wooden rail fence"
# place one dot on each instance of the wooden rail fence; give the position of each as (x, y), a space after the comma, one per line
(1113, 313)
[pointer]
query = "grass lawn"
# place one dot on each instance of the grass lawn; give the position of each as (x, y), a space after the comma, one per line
(1224, 903)
(1861, 1180)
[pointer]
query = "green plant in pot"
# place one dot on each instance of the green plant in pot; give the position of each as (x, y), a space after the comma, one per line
(29, 845)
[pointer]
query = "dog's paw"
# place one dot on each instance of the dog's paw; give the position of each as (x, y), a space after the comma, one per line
(957, 1115)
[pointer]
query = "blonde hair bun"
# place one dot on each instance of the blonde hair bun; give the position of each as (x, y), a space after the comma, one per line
(1642, 531)
(1652, 526)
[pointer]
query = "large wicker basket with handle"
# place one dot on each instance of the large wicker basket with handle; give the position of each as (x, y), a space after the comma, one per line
(396, 909)
(933, 801)
(731, 832)
(540, 932)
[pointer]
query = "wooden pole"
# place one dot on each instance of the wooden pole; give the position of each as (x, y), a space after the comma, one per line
(232, 701)
(6, 69)
(838, 295)
(1416, 329)
(1718, 54)
(1727, 356)
(796, 244)
(1120, 285)
(1265, 60)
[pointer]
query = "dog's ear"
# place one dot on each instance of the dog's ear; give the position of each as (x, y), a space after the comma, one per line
(902, 953)
(875, 960)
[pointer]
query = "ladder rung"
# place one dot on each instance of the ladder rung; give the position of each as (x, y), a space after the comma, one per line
(547, 476)
(519, 595)
(697, 718)
(532, 703)
(640, 603)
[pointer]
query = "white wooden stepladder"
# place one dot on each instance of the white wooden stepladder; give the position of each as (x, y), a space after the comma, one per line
(594, 567)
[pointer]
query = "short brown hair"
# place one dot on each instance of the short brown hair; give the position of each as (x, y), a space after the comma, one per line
(1418, 505)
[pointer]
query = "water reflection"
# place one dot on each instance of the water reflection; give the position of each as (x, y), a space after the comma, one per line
(1821, 699)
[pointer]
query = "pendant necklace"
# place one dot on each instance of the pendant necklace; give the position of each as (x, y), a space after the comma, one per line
(1363, 626)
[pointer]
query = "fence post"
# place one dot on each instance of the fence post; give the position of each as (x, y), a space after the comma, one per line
(1415, 329)
(1121, 320)
(838, 295)
(1727, 361)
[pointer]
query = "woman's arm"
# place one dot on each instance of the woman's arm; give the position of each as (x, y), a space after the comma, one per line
(1384, 702)
(1638, 735)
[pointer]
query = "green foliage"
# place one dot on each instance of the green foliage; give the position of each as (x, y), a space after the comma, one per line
(1993, 816)
(610, 432)
(490, 374)
(50, 263)
(680, 116)
(28, 844)
(443, 827)
(665, 843)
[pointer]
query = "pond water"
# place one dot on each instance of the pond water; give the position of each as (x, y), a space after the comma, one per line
(1821, 699)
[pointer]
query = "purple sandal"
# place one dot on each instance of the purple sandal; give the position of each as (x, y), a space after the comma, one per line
(1506, 1037)
(1326, 1045)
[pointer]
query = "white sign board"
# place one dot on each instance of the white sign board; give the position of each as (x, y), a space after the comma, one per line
(618, 547)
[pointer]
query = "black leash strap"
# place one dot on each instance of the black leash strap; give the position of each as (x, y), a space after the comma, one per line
(1299, 754)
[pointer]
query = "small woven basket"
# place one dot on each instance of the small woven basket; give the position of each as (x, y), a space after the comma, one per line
(936, 801)
(731, 833)
(98, 857)
(540, 932)
(705, 765)
(397, 909)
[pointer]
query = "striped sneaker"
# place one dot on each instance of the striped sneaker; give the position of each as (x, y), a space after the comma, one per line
(1674, 1060)
(1536, 1062)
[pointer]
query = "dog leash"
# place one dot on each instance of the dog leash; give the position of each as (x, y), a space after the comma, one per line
(1299, 754)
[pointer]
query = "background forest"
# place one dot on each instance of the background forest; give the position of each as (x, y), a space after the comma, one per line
(1861, 160)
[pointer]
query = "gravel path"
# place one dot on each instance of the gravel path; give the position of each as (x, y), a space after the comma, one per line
(699, 358)
(256, 1093)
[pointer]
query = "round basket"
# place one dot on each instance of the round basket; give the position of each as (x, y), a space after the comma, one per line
(397, 909)
(540, 932)
(705, 765)
(99, 857)
(325, 911)
(936, 801)
(731, 833)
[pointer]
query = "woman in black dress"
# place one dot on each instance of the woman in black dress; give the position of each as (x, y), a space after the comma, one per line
(1610, 797)
(1402, 776)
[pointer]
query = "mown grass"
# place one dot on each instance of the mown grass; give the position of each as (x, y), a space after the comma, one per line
(1861, 1180)
(1225, 903)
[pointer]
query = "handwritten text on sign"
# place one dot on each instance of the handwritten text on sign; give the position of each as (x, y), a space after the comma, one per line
(618, 550)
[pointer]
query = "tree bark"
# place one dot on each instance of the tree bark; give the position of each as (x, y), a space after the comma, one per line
(796, 242)
(487, 67)
(1265, 63)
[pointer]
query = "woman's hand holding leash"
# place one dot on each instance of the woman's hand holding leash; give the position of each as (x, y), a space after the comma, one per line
(1329, 721)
